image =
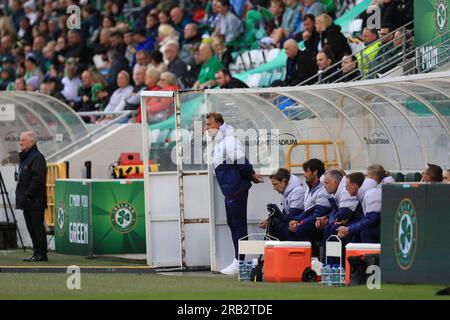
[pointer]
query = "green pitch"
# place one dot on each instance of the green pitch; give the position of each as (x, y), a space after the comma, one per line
(176, 285)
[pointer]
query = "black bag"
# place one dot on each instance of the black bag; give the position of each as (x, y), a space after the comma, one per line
(257, 273)
(359, 265)
(273, 220)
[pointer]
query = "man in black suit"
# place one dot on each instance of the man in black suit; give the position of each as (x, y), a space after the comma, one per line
(31, 193)
(299, 64)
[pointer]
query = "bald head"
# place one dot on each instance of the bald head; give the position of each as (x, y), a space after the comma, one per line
(204, 52)
(291, 48)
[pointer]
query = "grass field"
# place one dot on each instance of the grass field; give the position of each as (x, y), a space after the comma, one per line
(177, 285)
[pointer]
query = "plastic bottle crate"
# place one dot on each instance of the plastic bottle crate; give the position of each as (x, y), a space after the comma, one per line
(333, 275)
(245, 269)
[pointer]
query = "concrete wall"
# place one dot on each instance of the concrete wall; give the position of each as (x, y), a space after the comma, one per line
(105, 151)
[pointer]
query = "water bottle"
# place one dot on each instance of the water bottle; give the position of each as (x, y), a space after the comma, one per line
(342, 275)
(335, 275)
(242, 271)
(249, 269)
(326, 275)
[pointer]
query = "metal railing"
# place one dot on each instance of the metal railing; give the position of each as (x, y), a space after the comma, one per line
(403, 29)
(122, 116)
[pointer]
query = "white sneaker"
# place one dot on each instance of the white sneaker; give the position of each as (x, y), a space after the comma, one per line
(233, 268)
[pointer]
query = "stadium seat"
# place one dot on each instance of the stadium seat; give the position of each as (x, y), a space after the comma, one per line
(273, 53)
(398, 176)
(253, 80)
(413, 177)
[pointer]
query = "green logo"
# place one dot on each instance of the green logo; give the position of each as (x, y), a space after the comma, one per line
(60, 218)
(123, 217)
(441, 15)
(405, 234)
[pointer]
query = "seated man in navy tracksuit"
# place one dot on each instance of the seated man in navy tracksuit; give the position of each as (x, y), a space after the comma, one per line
(343, 205)
(235, 175)
(293, 193)
(316, 204)
(366, 227)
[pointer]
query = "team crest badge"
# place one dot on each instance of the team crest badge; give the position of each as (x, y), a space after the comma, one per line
(123, 217)
(405, 234)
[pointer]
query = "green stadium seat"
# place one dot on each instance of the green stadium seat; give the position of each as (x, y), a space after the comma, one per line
(398, 176)
(413, 177)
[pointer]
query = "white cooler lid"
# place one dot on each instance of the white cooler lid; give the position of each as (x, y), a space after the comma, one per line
(288, 244)
(363, 246)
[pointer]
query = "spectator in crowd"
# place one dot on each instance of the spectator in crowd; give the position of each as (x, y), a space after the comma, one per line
(53, 89)
(38, 46)
(6, 46)
(100, 96)
(24, 32)
(71, 82)
(310, 36)
(210, 65)
(368, 54)
(228, 24)
(20, 84)
(284, 23)
(142, 59)
(226, 81)
(146, 7)
(316, 203)
(179, 21)
(157, 61)
(132, 102)
(120, 94)
(85, 92)
(166, 34)
(152, 77)
(30, 11)
(293, 193)
(313, 7)
(349, 69)
(299, 64)
(326, 73)
(432, 173)
(164, 17)
(76, 48)
(130, 48)
(446, 176)
(142, 41)
(159, 109)
(297, 7)
(116, 42)
(6, 77)
(175, 65)
(396, 12)
(17, 12)
(331, 36)
(31, 65)
(190, 45)
(221, 50)
(387, 56)
(151, 26)
(116, 63)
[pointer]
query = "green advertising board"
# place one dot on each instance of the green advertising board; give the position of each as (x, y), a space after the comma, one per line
(430, 25)
(99, 217)
(415, 237)
(430, 20)
(72, 218)
(118, 217)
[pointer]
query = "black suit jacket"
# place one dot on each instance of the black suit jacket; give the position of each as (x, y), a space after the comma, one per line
(300, 68)
(31, 191)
